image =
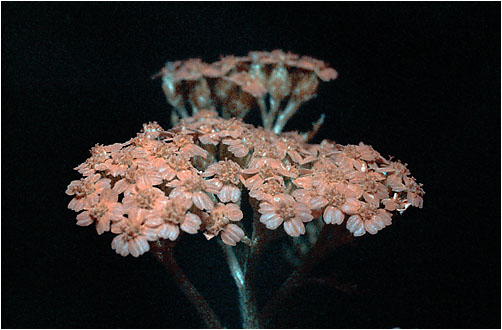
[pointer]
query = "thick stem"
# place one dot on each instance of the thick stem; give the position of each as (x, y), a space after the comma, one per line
(246, 294)
(263, 110)
(285, 115)
(164, 254)
(274, 108)
(258, 241)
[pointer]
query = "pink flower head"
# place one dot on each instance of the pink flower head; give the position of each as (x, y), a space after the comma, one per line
(369, 219)
(192, 187)
(99, 154)
(137, 178)
(321, 69)
(148, 199)
(152, 130)
(133, 234)
(263, 168)
(185, 145)
(414, 192)
(239, 147)
(270, 187)
(171, 216)
(285, 209)
(219, 220)
(228, 175)
(86, 191)
(330, 199)
(103, 212)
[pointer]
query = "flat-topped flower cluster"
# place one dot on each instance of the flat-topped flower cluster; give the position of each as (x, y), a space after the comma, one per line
(190, 178)
(236, 84)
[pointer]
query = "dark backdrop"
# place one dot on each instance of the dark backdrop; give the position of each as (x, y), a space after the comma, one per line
(418, 81)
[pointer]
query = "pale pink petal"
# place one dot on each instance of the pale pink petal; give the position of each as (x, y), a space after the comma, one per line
(185, 175)
(120, 186)
(232, 234)
(169, 231)
(295, 156)
(294, 227)
(76, 204)
(327, 74)
(91, 200)
(103, 224)
(333, 215)
(102, 184)
(233, 212)
(117, 210)
(134, 248)
(191, 224)
(120, 245)
(84, 219)
(266, 208)
(371, 227)
(318, 202)
(143, 244)
(154, 221)
(351, 206)
(143, 182)
(238, 150)
(355, 225)
(202, 201)
(271, 220)
(213, 186)
(235, 194)
(225, 194)
(379, 221)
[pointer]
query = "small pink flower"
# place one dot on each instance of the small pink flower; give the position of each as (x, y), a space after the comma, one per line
(99, 155)
(219, 220)
(86, 191)
(227, 174)
(103, 212)
(133, 234)
(270, 187)
(172, 216)
(351, 206)
(152, 130)
(148, 199)
(414, 192)
(260, 169)
(285, 209)
(137, 178)
(185, 145)
(192, 187)
(378, 221)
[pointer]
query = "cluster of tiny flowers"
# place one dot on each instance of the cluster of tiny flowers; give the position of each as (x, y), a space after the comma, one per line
(190, 179)
(237, 84)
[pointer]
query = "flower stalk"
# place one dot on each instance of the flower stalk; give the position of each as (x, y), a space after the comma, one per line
(164, 254)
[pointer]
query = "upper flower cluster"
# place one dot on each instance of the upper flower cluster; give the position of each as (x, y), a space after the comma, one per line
(238, 84)
(190, 178)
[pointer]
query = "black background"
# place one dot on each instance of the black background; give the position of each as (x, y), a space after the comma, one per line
(418, 81)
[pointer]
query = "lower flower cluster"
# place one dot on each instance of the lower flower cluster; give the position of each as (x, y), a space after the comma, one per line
(191, 178)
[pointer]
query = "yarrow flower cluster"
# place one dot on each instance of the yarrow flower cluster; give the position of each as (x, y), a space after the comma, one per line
(214, 174)
(191, 178)
(238, 84)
